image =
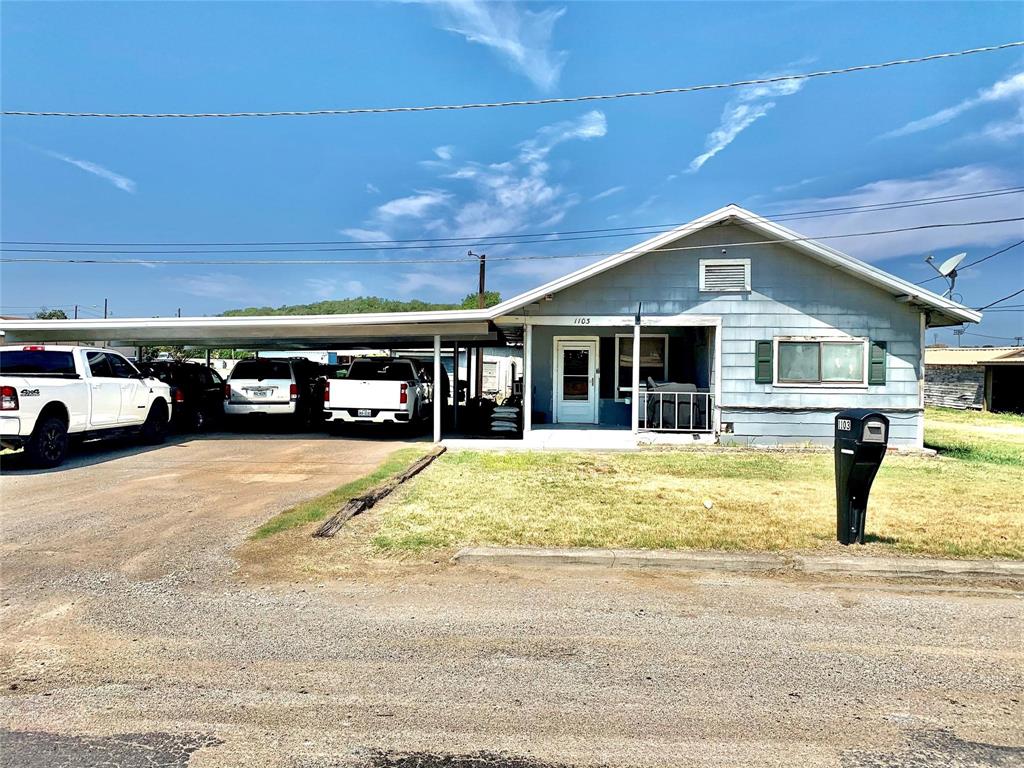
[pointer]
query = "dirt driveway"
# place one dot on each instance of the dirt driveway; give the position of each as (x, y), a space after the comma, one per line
(178, 508)
(129, 637)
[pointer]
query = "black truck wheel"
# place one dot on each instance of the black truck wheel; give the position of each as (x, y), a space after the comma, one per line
(49, 442)
(154, 429)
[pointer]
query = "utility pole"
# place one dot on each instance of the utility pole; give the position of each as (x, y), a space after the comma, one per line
(179, 311)
(481, 300)
(105, 309)
(76, 311)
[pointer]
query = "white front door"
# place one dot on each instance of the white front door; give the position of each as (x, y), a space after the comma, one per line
(576, 381)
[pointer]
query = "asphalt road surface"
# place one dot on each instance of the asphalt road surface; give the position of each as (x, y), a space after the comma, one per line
(131, 637)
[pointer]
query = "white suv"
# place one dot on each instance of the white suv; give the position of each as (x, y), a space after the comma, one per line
(274, 387)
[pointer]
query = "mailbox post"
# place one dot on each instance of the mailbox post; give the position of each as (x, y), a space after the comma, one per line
(861, 438)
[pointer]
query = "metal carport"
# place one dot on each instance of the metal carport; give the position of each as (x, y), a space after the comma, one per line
(293, 332)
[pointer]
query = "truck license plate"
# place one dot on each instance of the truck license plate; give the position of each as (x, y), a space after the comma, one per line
(260, 392)
(363, 412)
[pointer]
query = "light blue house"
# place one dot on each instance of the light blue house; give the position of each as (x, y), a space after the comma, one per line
(762, 334)
(747, 333)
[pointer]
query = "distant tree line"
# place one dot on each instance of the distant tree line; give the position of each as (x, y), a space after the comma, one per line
(364, 305)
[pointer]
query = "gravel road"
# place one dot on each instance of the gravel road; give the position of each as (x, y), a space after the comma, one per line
(130, 636)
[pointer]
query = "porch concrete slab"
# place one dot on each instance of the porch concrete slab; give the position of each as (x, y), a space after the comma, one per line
(554, 439)
(740, 562)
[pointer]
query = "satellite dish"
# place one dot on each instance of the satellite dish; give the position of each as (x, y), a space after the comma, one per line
(949, 266)
(947, 269)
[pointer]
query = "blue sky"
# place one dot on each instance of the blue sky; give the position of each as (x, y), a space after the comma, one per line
(919, 131)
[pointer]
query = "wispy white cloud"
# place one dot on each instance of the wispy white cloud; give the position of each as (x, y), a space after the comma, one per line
(321, 288)
(414, 206)
(372, 189)
(121, 182)
(440, 285)
(592, 125)
(221, 285)
(1002, 130)
(1008, 88)
(742, 111)
(366, 235)
(445, 152)
(951, 181)
(607, 193)
(325, 288)
(520, 37)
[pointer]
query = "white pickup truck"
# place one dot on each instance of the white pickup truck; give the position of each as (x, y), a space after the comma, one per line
(50, 394)
(379, 390)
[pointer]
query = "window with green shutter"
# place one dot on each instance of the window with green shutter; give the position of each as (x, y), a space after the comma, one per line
(763, 362)
(876, 365)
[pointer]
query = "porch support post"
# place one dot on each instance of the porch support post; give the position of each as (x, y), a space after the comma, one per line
(437, 388)
(527, 379)
(455, 386)
(635, 400)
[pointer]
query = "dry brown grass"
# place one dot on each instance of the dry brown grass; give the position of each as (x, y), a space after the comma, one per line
(654, 499)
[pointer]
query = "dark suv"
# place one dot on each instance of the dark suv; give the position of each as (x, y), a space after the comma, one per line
(197, 393)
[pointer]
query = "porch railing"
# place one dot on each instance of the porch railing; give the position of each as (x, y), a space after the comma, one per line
(677, 411)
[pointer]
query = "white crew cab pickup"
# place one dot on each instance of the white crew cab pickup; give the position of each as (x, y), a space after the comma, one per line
(49, 394)
(379, 390)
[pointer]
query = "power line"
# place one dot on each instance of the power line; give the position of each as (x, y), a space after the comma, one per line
(486, 240)
(1000, 301)
(465, 259)
(529, 102)
(978, 261)
(997, 338)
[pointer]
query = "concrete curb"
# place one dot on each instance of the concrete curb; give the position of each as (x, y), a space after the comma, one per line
(743, 562)
(909, 567)
(740, 562)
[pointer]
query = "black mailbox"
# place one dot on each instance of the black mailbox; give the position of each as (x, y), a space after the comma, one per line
(861, 438)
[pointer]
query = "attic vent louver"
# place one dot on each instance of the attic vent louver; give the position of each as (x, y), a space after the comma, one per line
(725, 275)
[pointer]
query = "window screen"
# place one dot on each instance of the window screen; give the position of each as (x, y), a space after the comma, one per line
(842, 362)
(814, 362)
(798, 361)
(653, 357)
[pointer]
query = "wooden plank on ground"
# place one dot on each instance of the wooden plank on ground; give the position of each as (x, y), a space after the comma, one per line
(362, 503)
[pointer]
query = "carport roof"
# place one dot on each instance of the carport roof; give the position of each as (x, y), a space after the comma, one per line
(264, 332)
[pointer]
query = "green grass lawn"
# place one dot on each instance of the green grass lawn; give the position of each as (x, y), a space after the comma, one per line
(964, 503)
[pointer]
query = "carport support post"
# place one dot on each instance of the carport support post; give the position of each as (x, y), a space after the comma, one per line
(437, 389)
(636, 378)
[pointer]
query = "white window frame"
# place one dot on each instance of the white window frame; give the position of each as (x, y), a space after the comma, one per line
(862, 384)
(622, 394)
(726, 262)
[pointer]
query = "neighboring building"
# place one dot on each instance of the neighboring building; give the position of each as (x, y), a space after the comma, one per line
(978, 378)
(747, 333)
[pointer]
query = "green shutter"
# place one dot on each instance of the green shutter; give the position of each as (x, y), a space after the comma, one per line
(876, 366)
(763, 362)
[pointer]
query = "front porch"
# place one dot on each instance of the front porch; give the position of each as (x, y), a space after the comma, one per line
(581, 375)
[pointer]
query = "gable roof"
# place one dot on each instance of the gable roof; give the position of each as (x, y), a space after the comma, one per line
(946, 312)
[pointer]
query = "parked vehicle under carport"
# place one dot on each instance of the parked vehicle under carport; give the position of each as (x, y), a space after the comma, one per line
(291, 388)
(196, 390)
